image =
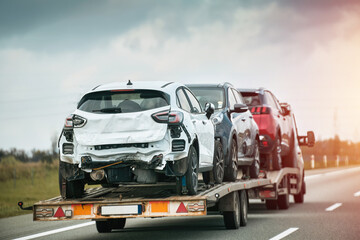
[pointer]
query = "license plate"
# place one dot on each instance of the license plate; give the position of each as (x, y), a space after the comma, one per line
(120, 210)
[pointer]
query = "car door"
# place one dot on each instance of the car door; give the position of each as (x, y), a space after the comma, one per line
(205, 131)
(249, 130)
(238, 124)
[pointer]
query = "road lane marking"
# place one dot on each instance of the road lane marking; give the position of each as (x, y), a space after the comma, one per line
(333, 207)
(284, 234)
(56, 231)
(336, 172)
(357, 194)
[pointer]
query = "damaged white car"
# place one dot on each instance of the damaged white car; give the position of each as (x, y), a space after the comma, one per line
(136, 132)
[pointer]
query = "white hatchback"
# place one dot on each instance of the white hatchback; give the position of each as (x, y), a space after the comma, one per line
(141, 132)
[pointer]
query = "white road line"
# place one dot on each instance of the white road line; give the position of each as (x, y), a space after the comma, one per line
(357, 194)
(336, 172)
(284, 234)
(56, 231)
(333, 207)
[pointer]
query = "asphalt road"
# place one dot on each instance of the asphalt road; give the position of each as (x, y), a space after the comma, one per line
(331, 211)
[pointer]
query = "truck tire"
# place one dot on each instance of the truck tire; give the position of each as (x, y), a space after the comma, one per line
(271, 204)
(103, 226)
(243, 208)
(255, 166)
(232, 218)
(283, 200)
(118, 223)
(192, 172)
(70, 189)
(218, 165)
(299, 198)
(231, 171)
(276, 154)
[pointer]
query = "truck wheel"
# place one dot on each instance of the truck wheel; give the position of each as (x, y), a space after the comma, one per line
(192, 172)
(283, 200)
(103, 226)
(255, 166)
(231, 170)
(70, 189)
(232, 218)
(276, 154)
(243, 208)
(118, 223)
(271, 204)
(299, 198)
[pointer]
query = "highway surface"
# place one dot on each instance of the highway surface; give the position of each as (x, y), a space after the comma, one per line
(331, 211)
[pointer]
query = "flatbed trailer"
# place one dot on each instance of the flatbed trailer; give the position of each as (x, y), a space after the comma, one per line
(110, 207)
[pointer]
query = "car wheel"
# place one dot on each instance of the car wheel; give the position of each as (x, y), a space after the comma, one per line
(290, 160)
(103, 226)
(231, 170)
(255, 166)
(276, 154)
(218, 166)
(70, 189)
(192, 172)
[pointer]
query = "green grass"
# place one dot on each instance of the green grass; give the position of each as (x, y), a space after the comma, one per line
(43, 186)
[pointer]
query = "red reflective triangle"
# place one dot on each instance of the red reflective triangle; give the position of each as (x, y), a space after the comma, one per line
(182, 208)
(59, 213)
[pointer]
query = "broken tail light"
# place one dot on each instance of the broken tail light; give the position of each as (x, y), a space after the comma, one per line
(74, 121)
(172, 118)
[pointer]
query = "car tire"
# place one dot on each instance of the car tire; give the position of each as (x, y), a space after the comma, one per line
(290, 160)
(255, 166)
(70, 189)
(192, 172)
(103, 226)
(218, 166)
(276, 154)
(231, 171)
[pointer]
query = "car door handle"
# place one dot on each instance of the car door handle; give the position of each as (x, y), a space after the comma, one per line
(251, 117)
(243, 119)
(204, 122)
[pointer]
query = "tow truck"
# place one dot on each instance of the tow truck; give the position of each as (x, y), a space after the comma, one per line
(110, 207)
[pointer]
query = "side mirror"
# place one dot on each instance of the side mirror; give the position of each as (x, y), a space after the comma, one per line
(209, 109)
(286, 109)
(308, 140)
(240, 108)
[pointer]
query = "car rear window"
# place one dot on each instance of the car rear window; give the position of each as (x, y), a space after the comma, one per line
(122, 101)
(213, 95)
(252, 98)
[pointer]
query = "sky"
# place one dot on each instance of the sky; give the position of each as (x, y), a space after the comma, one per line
(52, 52)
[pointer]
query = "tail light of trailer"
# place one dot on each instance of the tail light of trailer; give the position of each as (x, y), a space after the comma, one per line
(260, 110)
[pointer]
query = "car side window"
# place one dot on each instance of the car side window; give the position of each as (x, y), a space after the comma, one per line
(232, 99)
(183, 101)
(270, 100)
(238, 96)
(194, 102)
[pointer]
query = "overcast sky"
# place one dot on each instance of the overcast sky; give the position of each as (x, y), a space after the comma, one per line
(51, 52)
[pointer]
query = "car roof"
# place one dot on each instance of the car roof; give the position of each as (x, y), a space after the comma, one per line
(249, 90)
(150, 85)
(209, 84)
